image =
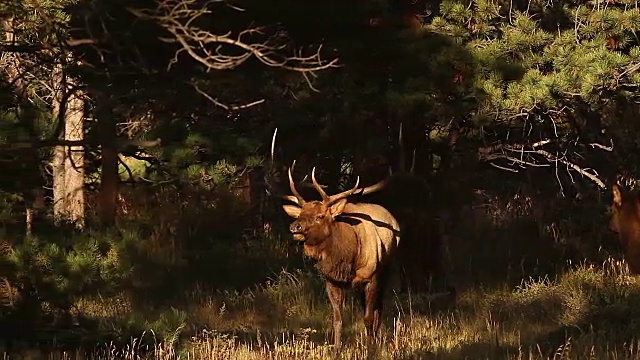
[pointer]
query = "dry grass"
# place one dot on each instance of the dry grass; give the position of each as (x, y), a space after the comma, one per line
(586, 313)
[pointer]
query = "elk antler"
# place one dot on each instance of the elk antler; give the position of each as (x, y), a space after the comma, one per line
(324, 195)
(360, 191)
(344, 194)
(295, 192)
(273, 145)
(372, 188)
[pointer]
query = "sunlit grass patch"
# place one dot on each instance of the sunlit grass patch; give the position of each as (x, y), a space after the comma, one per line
(541, 318)
(586, 312)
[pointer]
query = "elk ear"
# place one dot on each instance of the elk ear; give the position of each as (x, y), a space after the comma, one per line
(337, 208)
(292, 210)
(293, 199)
(617, 195)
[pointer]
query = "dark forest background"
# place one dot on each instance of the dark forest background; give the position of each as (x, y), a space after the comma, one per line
(137, 167)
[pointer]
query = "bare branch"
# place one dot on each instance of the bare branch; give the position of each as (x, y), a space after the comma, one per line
(602, 147)
(540, 143)
(513, 160)
(225, 106)
(503, 167)
(582, 171)
(228, 51)
(631, 69)
(525, 157)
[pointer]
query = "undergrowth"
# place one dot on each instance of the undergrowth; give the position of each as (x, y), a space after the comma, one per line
(586, 312)
(170, 284)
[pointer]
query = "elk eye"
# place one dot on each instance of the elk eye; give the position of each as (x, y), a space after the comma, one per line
(320, 217)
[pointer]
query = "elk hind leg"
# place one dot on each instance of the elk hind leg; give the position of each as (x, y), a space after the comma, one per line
(373, 294)
(336, 297)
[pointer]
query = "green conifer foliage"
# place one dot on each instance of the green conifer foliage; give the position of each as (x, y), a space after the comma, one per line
(561, 71)
(536, 57)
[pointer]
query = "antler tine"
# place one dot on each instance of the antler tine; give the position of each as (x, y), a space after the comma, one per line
(344, 194)
(373, 188)
(273, 145)
(295, 192)
(316, 186)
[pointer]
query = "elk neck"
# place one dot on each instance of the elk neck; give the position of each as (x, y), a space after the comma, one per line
(336, 256)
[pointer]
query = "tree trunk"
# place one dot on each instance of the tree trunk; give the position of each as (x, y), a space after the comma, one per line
(109, 178)
(68, 161)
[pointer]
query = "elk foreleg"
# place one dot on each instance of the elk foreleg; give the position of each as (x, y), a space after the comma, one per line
(336, 297)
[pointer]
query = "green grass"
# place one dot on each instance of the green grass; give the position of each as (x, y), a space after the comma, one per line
(195, 291)
(586, 313)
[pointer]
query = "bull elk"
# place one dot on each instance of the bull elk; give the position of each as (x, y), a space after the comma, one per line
(625, 221)
(352, 244)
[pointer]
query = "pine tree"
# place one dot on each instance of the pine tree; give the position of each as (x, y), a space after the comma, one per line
(546, 71)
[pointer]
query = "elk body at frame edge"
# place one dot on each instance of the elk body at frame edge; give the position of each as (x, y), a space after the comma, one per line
(352, 244)
(625, 222)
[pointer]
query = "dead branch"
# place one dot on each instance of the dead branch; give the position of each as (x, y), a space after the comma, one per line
(580, 170)
(503, 167)
(513, 160)
(227, 51)
(602, 147)
(217, 102)
(525, 156)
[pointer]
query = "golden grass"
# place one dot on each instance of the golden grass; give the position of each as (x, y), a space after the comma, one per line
(586, 313)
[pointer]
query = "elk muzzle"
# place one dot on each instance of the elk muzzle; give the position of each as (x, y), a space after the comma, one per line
(296, 230)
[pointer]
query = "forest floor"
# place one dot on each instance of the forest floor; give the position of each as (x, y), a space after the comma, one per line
(585, 312)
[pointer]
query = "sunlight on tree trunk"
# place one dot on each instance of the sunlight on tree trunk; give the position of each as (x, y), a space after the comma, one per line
(68, 161)
(29, 221)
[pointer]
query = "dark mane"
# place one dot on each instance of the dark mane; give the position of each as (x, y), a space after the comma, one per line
(338, 262)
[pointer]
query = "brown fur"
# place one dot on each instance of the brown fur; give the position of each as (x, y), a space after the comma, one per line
(625, 221)
(352, 245)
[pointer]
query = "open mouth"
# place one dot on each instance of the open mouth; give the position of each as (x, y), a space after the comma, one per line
(298, 237)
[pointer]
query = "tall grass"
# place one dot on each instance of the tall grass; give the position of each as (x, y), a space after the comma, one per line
(587, 312)
(529, 286)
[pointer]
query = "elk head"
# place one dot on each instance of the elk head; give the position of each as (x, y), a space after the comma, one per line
(314, 219)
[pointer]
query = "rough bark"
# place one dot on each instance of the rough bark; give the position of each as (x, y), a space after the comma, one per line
(68, 161)
(108, 195)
